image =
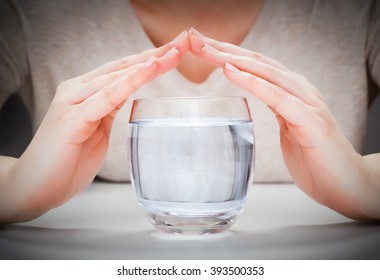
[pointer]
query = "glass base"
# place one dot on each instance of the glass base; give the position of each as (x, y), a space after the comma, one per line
(191, 225)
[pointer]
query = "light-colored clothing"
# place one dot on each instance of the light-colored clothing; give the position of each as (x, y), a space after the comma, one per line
(335, 44)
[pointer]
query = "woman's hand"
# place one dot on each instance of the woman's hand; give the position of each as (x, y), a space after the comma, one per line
(320, 159)
(71, 143)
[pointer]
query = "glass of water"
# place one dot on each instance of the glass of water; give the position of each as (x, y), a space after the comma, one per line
(192, 161)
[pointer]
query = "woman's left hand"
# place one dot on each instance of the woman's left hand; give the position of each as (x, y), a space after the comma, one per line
(320, 159)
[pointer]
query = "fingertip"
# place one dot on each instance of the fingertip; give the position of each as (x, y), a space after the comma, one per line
(196, 33)
(186, 42)
(179, 37)
(182, 43)
(195, 41)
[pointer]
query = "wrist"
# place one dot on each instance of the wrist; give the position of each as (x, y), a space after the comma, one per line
(354, 194)
(13, 194)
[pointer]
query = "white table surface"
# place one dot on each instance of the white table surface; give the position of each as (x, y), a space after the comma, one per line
(106, 222)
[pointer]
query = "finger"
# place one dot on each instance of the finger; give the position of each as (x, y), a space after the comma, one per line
(198, 41)
(290, 81)
(181, 43)
(287, 105)
(295, 83)
(96, 84)
(111, 96)
(84, 91)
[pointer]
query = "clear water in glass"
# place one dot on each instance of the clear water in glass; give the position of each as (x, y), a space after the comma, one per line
(191, 174)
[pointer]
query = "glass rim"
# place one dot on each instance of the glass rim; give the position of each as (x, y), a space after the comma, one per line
(181, 98)
(191, 107)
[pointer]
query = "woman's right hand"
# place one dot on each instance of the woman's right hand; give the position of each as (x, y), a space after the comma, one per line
(71, 143)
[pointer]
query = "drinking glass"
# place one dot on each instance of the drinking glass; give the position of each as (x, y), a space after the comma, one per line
(192, 160)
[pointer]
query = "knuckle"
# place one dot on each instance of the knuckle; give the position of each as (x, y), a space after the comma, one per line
(64, 86)
(279, 65)
(256, 55)
(131, 79)
(316, 92)
(280, 97)
(113, 75)
(252, 83)
(123, 62)
(105, 91)
(217, 44)
(64, 92)
(271, 70)
(279, 91)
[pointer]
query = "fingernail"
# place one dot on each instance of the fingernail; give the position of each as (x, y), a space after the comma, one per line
(231, 68)
(172, 52)
(210, 49)
(179, 37)
(150, 61)
(197, 33)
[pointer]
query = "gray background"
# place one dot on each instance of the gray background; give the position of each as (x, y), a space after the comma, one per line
(16, 128)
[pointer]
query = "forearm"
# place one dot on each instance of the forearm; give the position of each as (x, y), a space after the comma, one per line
(18, 189)
(9, 209)
(341, 178)
(372, 165)
(6, 167)
(351, 186)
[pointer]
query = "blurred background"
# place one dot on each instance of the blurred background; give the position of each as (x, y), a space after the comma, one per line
(16, 128)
